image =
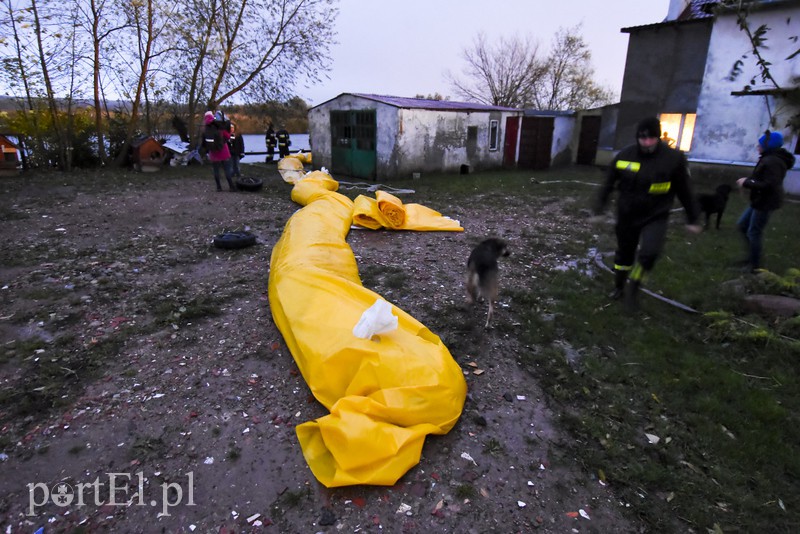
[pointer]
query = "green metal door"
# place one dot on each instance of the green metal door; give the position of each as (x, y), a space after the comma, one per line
(353, 143)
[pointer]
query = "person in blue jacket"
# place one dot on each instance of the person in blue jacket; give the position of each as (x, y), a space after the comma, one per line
(766, 194)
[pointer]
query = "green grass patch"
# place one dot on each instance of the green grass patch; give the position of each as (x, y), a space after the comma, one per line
(724, 413)
(174, 303)
(52, 373)
(692, 418)
(181, 312)
(465, 491)
(148, 448)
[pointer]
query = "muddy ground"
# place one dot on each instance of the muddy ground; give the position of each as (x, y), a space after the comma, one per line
(138, 356)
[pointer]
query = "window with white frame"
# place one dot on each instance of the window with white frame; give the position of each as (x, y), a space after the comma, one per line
(494, 134)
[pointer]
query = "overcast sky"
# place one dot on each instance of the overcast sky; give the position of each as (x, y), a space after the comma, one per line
(403, 48)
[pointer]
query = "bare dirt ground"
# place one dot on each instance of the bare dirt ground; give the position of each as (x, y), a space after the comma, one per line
(145, 388)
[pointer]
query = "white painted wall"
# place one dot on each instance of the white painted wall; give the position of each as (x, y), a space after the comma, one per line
(319, 137)
(436, 141)
(728, 127)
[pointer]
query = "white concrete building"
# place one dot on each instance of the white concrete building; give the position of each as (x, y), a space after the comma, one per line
(375, 137)
(696, 70)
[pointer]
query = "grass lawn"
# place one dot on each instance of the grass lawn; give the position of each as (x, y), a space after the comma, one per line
(697, 412)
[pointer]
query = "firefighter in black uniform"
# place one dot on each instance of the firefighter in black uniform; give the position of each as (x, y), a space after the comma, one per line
(271, 142)
(284, 142)
(649, 175)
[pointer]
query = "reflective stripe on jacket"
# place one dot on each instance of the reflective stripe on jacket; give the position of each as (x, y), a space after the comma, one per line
(648, 184)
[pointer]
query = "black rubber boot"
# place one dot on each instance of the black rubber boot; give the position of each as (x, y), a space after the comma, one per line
(620, 277)
(631, 296)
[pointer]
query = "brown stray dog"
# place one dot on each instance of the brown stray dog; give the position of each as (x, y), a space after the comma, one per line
(482, 272)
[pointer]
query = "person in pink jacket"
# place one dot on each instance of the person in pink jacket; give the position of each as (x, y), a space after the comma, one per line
(215, 141)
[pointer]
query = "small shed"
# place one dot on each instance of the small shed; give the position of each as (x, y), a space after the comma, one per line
(9, 163)
(374, 136)
(147, 154)
(540, 139)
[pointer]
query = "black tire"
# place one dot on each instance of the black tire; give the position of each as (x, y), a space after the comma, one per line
(232, 240)
(249, 184)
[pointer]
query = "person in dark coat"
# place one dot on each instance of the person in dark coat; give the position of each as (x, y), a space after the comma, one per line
(284, 142)
(220, 158)
(271, 142)
(648, 175)
(236, 147)
(766, 194)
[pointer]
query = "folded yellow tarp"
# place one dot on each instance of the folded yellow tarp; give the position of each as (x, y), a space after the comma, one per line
(387, 211)
(385, 394)
(290, 169)
(392, 208)
(304, 157)
(367, 214)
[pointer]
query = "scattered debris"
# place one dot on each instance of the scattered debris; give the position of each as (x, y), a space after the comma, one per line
(182, 337)
(467, 457)
(327, 517)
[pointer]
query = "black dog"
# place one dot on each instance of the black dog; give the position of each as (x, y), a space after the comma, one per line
(711, 204)
(482, 272)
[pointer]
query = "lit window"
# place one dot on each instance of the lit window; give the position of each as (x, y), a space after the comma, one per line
(677, 129)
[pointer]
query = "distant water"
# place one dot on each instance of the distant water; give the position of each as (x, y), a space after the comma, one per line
(257, 143)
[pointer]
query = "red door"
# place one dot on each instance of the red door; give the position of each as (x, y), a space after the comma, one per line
(510, 144)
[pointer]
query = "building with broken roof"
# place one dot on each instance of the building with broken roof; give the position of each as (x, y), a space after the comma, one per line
(697, 72)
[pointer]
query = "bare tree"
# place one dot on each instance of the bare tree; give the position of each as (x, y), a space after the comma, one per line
(38, 20)
(46, 61)
(194, 48)
(512, 73)
(100, 22)
(568, 82)
(503, 75)
(74, 78)
(254, 49)
(16, 69)
(148, 22)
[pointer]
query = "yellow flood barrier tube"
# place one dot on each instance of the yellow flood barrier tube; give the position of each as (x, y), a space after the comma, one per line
(384, 394)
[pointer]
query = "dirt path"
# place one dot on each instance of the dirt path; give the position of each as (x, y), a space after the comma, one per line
(164, 367)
